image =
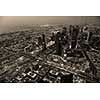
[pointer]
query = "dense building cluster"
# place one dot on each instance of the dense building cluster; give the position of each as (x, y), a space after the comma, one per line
(69, 54)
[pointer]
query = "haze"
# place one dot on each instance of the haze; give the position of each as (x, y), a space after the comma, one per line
(8, 22)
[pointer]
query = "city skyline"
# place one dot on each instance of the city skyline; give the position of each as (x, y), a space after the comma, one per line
(8, 22)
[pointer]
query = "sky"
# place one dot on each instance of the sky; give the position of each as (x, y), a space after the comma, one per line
(8, 22)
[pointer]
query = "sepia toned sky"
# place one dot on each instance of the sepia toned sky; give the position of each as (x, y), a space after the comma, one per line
(12, 21)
